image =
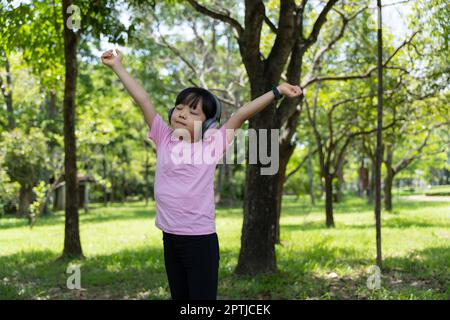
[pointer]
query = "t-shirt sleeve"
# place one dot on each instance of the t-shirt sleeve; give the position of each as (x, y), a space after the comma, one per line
(159, 131)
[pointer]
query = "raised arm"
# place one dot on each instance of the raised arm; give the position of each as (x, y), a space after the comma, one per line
(136, 91)
(253, 107)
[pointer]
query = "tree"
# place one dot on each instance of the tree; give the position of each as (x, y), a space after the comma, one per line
(24, 160)
(259, 231)
(336, 126)
(96, 20)
(421, 131)
(72, 243)
(378, 152)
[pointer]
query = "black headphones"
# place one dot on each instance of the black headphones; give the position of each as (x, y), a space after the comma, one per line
(211, 122)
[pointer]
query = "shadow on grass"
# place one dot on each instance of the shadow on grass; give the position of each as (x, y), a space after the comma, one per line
(140, 274)
(433, 261)
(306, 274)
(316, 273)
(126, 274)
(426, 271)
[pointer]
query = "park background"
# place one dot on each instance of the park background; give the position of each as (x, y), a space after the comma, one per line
(77, 168)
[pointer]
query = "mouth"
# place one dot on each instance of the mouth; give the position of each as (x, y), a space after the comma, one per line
(180, 123)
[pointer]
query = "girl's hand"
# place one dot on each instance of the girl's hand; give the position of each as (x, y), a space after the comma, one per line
(289, 90)
(111, 60)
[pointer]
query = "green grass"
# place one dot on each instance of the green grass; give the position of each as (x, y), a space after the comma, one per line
(124, 257)
(438, 191)
(429, 191)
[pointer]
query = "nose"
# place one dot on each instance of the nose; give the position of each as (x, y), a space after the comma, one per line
(182, 113)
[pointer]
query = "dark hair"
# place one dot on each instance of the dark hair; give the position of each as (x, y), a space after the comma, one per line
(192, 95)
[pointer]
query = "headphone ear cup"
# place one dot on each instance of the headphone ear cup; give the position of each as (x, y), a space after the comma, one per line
(207, 124)
(170, 114)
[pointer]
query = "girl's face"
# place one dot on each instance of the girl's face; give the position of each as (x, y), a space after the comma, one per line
(183, 117)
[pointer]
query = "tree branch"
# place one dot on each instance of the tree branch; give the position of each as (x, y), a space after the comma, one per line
(408, 159)
(218, 16)
(298, 167)
(367, 74)
(321, 19)
(284, 40)
(354, 134)
(270, 24)
(284, 110)
(316, 132)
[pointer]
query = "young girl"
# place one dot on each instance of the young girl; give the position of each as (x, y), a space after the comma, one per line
(184, 189)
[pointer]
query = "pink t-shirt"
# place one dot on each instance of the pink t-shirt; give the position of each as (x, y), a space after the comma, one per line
(184, 180)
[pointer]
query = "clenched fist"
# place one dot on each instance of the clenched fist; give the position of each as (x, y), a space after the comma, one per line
(112, 58)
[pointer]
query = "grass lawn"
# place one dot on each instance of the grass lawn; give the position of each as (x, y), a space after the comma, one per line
(125, 257)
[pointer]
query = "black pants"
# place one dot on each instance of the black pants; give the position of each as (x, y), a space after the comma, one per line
(192, 265)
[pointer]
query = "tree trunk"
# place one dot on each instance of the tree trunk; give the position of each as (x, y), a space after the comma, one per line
(310, 178)
(257, 253)
(340, 180)
(329, 200)
(371, 189)
(25, 194)
(285, 154)
(280, 199)
(258, 237)
(363, 180)
(388, 180)
(72, 243)
(379, 146)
